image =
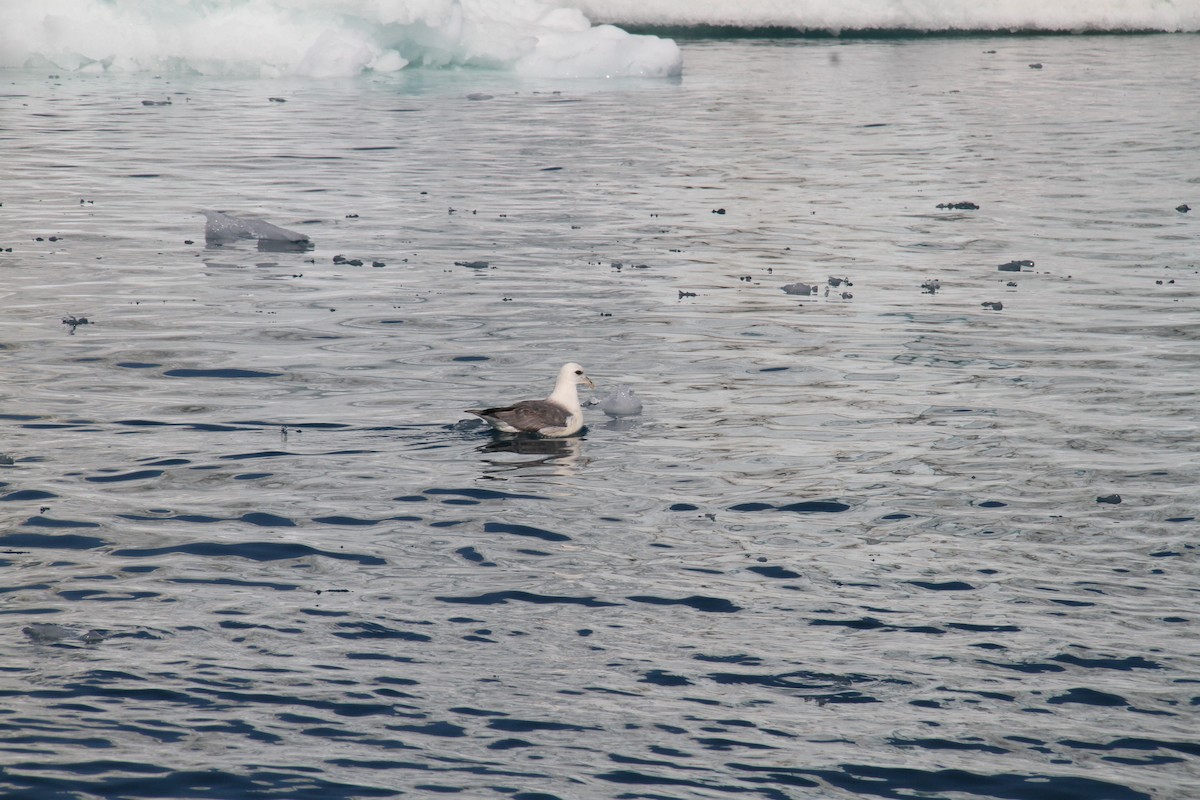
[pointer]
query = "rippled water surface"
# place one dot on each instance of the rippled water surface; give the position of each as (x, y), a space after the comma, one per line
(880, 541)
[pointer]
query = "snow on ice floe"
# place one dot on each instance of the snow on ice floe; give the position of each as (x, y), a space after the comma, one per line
(836, 16)
(325, 38)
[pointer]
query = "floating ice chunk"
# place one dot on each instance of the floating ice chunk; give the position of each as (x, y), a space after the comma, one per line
(389, 61)
(620, 402)
(221, 227)
(338, 53)
(799, 288)
(603, 51)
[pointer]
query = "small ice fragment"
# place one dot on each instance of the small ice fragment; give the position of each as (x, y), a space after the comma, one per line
(222, 227)
(472, 264)
(620, 402)
(799, 288)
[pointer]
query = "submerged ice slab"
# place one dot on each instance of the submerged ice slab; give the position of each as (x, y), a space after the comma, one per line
(325, 38)
(53, 633)
(222, 227)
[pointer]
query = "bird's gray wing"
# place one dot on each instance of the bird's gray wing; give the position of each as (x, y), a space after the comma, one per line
(530, 415)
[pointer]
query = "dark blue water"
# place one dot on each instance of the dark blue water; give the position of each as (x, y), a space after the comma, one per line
(880, 541)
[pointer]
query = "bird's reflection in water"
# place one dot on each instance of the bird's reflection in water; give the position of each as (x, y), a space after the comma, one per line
(622, 424)
(563, 456)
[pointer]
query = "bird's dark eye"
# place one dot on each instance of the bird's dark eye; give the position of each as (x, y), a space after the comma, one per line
(578, 372)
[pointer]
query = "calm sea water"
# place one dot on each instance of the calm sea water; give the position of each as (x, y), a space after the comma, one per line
(858, 545)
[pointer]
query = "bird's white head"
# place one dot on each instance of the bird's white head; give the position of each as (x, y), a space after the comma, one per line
(573, 375)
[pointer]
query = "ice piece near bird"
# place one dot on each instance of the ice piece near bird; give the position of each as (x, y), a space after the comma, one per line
(620, 402)
(222, 227)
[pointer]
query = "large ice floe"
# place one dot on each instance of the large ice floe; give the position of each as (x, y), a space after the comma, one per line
(325, 38)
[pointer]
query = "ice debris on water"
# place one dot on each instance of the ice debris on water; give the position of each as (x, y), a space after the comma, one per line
(931, 286)
(620, 402)
(1015, 266)
(222, 227)
(962, 205)
(813, 289)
